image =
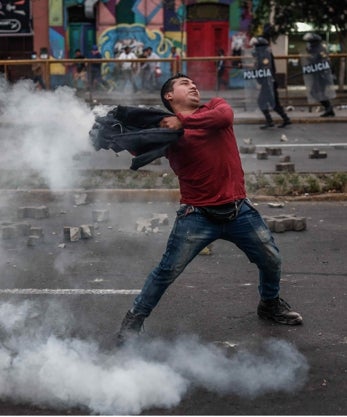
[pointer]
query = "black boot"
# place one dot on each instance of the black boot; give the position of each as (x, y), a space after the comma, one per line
(130, 327)
(329, 111)
(286, 122)
(269, 122)
(278, 311)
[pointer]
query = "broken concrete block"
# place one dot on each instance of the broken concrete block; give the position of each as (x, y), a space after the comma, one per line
(262, 155)
(8, 232)
(279, 226)
(87, 231)
(247, 149)
(81, 199)
(274, 151)
(285, 222)
(151, 224)
(285, 166)
(317, 154)
(101, 215)
(299, 224)
(40, 212)
(72, 234)
(143, 225)
(159, 219)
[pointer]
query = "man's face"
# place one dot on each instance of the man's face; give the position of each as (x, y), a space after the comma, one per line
(184, 93)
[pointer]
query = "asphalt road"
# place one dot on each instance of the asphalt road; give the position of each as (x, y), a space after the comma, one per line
(204, 351)
(296, 141)
(62, 303)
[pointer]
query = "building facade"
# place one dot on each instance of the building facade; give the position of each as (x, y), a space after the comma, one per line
(197, 28)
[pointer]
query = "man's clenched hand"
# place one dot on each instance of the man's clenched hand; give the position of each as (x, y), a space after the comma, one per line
(171, 122)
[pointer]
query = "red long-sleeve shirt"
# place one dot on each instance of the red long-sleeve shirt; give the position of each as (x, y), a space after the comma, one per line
(206, 159)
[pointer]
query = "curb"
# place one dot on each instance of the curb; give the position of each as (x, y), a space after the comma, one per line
(157, 195)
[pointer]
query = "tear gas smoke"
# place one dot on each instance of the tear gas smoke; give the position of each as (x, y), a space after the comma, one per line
(44, 130)
(42, 366)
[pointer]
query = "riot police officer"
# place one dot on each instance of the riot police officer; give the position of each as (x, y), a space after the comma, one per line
(317, 73)
(265, 72)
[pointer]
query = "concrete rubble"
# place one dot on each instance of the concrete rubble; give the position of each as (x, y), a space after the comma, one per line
(274, 151)
(151, 225)
(262, 155)
(75, 233)
(14, 230)
(247, 149)
(285, 222)
(39, 212)
(80, 199)
(317, 154)
(285, 165)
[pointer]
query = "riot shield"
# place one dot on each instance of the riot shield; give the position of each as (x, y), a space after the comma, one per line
(316, 70)
(258, 79)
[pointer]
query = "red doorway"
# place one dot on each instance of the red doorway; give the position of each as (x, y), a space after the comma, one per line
(203, 40)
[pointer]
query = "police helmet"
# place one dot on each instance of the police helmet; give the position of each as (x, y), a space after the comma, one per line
(258, 41)
(312, 37)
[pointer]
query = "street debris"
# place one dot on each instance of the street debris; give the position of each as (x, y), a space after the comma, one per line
(152, 224)
(207, 250)
(81, 199)
(285, 222)
(75, 233)
(317, 154)
(276, 205)
(40, 212)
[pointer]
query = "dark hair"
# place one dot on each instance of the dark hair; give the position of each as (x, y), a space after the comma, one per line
(168, 86)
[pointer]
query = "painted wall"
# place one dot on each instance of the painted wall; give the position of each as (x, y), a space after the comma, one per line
(165, 16)
(141, 23)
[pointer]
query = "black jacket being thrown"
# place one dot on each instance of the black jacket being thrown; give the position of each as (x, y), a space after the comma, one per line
(135, 129)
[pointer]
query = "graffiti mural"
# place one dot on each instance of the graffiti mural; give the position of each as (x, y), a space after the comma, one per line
(137, 37)
(148, 12)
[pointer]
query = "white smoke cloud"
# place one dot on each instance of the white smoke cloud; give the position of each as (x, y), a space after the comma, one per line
(46, 129)
(42, 364)
(43, 367)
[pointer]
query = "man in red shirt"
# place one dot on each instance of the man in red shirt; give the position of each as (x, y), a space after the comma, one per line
(213, 205)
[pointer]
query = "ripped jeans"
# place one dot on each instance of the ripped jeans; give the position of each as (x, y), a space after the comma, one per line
(192, 232)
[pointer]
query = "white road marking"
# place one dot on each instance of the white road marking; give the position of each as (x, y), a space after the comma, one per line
(66, 291)
(301, 145)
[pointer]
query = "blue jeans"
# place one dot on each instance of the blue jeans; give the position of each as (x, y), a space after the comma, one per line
(193, 232)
